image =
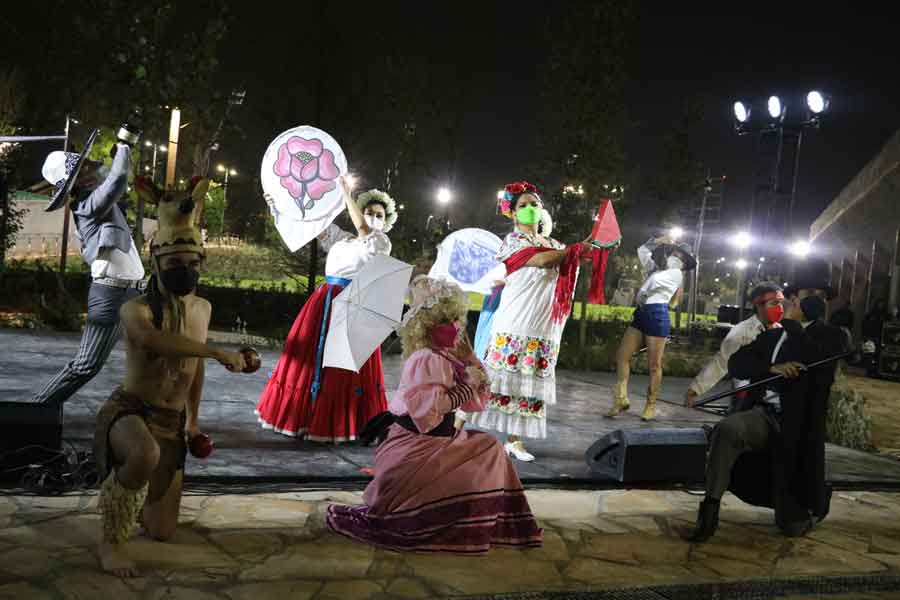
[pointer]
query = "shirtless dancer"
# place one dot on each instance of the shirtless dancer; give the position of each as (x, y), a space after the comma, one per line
(139, 442)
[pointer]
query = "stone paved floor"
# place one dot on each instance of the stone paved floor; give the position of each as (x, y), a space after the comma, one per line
(244, 449)
(275, 546)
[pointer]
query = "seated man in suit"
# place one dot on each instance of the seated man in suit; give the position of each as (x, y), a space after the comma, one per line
(773, 454)
(106, 246)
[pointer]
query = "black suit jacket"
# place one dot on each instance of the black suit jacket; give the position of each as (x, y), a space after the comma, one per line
(790, 475)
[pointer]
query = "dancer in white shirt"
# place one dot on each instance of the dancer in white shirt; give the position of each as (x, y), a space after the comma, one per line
(767, 298)
(667, 263)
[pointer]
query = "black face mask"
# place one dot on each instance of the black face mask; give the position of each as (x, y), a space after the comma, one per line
(180, 281)
(813, 307)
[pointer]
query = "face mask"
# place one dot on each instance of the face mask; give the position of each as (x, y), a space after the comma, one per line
(813, 307)
(673, 262)
(528, 215)
(774, 314)
(445, 336)
(180, 281)
(376, 223)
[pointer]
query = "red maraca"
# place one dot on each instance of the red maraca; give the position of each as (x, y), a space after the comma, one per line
(252, 362)
(200, 445)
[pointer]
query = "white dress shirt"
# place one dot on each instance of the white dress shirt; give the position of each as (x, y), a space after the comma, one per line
(661, 285)
(112, 262)
(740, 335)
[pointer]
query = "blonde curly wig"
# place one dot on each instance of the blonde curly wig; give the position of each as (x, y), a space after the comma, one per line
(447, 308)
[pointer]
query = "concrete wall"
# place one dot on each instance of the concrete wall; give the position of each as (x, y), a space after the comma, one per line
(41, 233)
(866, 212)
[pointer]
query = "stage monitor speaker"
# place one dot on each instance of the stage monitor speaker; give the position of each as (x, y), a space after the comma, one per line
(889, 363)
(30, 433)
(649, 455)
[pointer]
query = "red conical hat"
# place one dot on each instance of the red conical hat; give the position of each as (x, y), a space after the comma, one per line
(606, 233)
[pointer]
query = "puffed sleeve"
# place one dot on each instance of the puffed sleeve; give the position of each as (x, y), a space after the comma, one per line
(331, 236)
(428, 390)
(378, 243)
(645, 255)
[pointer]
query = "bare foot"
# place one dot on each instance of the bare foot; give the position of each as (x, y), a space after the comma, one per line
(114, 560)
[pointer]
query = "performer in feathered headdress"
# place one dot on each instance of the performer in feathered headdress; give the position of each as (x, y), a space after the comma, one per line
(146, 426)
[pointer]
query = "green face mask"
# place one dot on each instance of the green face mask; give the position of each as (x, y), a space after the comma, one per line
(528, 215)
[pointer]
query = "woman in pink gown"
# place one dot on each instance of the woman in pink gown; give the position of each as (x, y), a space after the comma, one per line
(438, 488)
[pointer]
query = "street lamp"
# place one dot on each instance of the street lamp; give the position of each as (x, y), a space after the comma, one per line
(156, 148)
(800, 249)
(228, 171)
(742, 240)
(776, 108)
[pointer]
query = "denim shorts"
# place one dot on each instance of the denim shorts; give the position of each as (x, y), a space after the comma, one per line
(652, 320)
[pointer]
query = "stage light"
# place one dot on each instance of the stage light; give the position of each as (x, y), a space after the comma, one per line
(816, 102)
(676, 232)
(742, 240)
(800, 248)
(741, 264)
(741, 112)
(444, 196)
(762, 259)
(776, 109)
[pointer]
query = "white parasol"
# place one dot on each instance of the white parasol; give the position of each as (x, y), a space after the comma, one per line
(468, 258)
(366, 312)
(299, 175)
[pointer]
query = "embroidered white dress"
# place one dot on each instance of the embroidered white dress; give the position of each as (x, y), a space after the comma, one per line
(523, 347)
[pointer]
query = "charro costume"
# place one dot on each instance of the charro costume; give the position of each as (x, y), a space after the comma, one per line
(121, 506)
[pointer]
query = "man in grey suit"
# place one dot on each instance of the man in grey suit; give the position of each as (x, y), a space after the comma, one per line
(106, 245)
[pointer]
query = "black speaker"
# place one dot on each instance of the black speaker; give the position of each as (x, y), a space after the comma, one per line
(30, 433)
(649, 455)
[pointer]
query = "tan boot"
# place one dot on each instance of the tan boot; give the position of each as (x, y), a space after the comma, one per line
(620, 400)
(649, 407)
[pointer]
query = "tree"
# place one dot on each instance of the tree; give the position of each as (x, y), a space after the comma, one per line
(12, 100)
(581, 140)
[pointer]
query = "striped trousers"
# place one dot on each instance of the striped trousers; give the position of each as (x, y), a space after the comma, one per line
(101, 332)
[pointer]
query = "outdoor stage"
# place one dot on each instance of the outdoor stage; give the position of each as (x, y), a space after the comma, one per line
(244, 450)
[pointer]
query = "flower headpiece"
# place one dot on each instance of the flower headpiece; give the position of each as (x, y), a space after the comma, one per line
(511, 193)
(390, 207)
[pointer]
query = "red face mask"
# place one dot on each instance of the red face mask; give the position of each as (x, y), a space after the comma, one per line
(774, 313)
(445, 336)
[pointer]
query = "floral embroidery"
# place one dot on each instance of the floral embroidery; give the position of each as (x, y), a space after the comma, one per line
(306, 169)
(522, 354)
(524, 407)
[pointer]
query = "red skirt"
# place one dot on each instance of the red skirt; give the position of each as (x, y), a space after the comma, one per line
(346, 401)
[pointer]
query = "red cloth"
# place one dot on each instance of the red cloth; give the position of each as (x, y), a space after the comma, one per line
(346, 400)
(599, 258)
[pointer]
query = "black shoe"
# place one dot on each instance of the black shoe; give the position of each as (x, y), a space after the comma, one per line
(707, 521)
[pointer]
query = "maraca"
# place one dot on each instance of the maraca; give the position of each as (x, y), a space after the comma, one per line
(200, 445)
(252, 362)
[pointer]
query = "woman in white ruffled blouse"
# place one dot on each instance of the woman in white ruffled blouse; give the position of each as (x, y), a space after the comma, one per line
(303, 398)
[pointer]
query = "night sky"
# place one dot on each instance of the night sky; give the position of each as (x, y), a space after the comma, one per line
(491, 53)
(674, 57)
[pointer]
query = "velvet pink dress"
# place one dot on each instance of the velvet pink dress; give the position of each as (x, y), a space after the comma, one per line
(455, 492)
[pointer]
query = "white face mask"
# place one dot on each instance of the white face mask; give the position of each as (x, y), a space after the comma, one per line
(673, 262)
(374, 222)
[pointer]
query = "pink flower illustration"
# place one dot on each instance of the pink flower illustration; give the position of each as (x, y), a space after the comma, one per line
(306, 168)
